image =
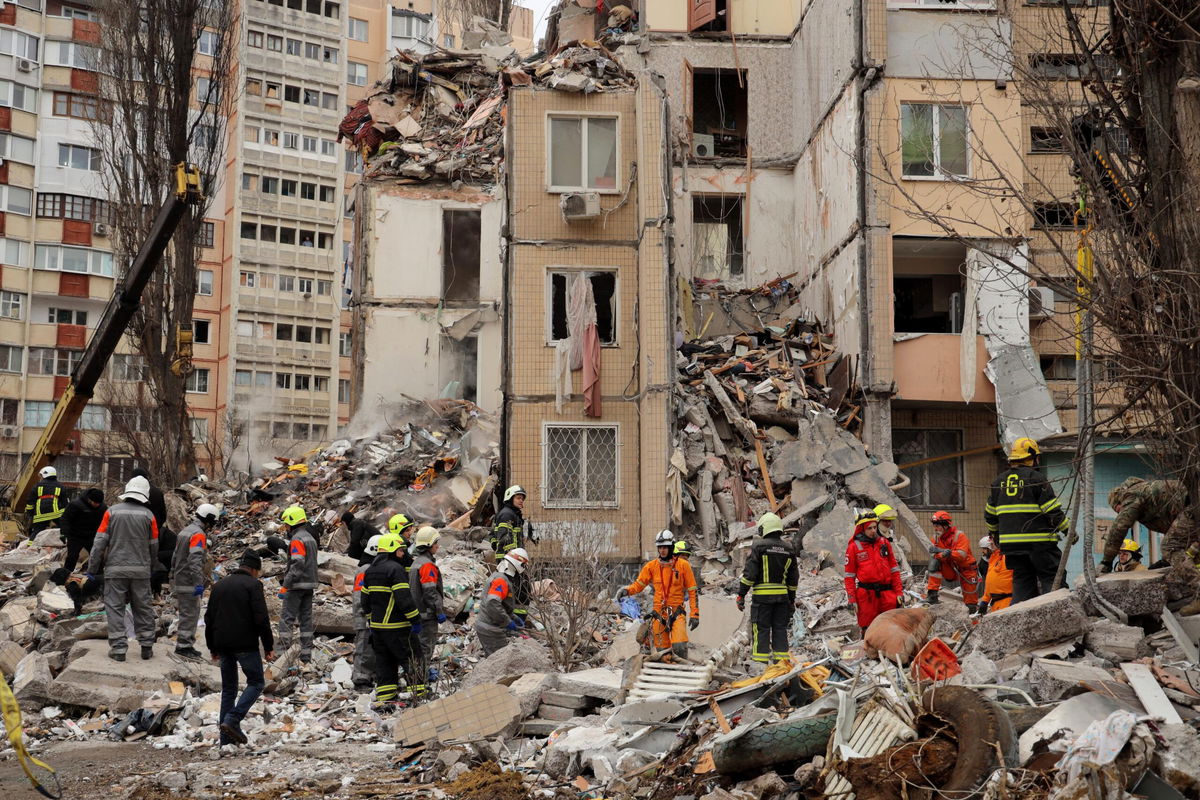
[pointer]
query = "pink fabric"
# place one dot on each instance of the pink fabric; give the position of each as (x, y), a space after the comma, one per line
(591, 371)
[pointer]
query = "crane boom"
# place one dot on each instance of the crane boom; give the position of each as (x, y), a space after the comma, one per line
(124, 303)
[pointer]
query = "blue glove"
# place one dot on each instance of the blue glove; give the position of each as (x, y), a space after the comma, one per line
(199, 591)
(512, 625)
(441, 618)
(90, 576)
(520, 622)
(416, 627)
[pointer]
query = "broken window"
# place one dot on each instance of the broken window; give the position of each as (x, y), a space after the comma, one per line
(579, 466)
(927, 285)
(459, 365)
(583, 153)
(283, 332)
(937, 484)
(933, 140)
(1058, 367)
(291, 94)
(1046, 140)
(718, 246)
(1071, 66)
(604, 292)
(1055, 215)
(460, 255)
(719, 111)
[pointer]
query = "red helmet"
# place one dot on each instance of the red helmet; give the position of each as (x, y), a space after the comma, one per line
(941, 517)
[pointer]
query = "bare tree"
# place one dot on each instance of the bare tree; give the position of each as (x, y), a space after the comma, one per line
(1119, 89)
(165, 70)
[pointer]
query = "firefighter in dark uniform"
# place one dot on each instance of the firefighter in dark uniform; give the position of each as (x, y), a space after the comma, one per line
(771, 577)
(46, 503)
(1026, 519)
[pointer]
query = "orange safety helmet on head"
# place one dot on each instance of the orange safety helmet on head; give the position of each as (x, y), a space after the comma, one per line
(941, 517)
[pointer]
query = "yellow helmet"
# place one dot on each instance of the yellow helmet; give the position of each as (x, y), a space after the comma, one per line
(770, 523)
(1024, 448)
(398, 523)
(682, 549)
(391, 542)
(1131, 546)
(884, 511)
(426, 537)
(293, 515)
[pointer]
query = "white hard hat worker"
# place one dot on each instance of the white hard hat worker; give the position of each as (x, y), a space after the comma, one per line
(665, 543)
(208, 514)
(47, 472)
(514, 562)
(137, 489)
(515, 496)
(372, 548)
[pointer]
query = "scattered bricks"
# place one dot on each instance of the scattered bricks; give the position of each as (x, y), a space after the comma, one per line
(1142, 592)
(1116, 642)
(1049, 618)
(556, 713)
(1055, 680)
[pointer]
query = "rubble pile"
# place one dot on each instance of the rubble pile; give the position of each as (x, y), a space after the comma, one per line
(440, 116)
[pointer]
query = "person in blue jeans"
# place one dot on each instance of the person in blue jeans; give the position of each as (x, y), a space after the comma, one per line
(235, 622)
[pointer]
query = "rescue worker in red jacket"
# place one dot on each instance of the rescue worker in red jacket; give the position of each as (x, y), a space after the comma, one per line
(952, 561)
(872, 574)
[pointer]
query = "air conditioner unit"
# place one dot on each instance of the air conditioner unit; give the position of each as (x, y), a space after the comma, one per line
(1041, 302)
(703, 146)
(9, 431)
(100, 229)
(580, 205)
(25, 65)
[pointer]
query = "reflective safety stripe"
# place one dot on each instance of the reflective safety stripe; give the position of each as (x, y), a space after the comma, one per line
(1016, 538)
(1018, 508)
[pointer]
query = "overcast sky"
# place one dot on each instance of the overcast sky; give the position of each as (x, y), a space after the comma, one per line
(540, 9)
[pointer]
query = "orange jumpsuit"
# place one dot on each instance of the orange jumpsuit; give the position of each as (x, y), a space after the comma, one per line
(958, 565)
(997, 587)
(671, 580)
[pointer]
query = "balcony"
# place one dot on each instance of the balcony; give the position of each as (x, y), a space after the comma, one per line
(928, 369)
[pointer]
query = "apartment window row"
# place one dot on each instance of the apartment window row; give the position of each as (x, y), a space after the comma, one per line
(17, 148)
(313, 51)
(60, 258)
(291, 93)
(21, 45)
(324, 8)
(66, 316)
(128, 367)
(300, 431)
(94, 418)
(290, 140)
(18, 96)
(289, 187)
(288, 381)
(54, 205)
(303, 237)
(73, 54)
(76, 156)
(285, 283)
(283, 332)
(78, 106)
(57, 361)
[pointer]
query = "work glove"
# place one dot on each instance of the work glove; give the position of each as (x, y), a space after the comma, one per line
(1105, 567)
(938, 552)
(520, 622)
(741, 602)
(622, 593)
(90, 577)
(512, 625)
(982, 608)
(693, 623)
(441, 618)
(199, 590)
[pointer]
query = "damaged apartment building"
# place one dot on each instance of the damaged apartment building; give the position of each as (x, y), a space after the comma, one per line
(799, 141)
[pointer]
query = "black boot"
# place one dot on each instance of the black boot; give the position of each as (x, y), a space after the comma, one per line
(931, 597)
(147, 652)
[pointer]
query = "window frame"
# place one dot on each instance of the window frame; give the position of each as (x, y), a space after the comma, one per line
(69, 148)
(570, 271)
(939, 173)
(353, 24)
(195, 378)
(551, 188)
(200, 282)
(355, 70)
(583, 503)
(10, 300)
(960, 464)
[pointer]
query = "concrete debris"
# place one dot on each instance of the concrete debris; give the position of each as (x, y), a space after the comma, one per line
(1048, 618)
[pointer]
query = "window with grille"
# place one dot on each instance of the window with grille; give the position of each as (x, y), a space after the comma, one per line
(579, 466)
(937, 484)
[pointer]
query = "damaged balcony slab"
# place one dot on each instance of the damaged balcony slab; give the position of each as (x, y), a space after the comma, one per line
(1042, 620)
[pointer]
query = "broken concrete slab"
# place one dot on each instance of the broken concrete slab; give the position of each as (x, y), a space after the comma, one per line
(17, 620)
(1179, 762)
(11, 654)
(603, 683)
(625, 646)
(718, 617)
(55, 600)
(830, 532)
(1054, 680)
(333, 619)
(1142, 592)
(32, 679)
(469, 715)
(562, 755)
(519, 657)
(539, 728)
(65, 631)
(26, 559)
(1044, 619)
(1072, 716)
(330, 564)
(94, 680)
(528, 689)
(1116, 642)
(50, 537)
(576, 702)
(557, 713)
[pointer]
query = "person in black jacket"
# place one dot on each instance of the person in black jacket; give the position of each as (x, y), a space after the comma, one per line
(359, 532)
(166, 537)
(79, 522)
(234, 623)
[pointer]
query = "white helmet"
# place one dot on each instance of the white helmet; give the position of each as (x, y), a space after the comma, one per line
(138, 488)
(664, 539)
(372, 548)
(47, 472)
(986, 543)
(512, 492)
(518, 558)
(207, 513)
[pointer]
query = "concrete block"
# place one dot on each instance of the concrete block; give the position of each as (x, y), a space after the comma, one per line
(528, 689)
(1054, 680)
(11, 654)
(576, 702)
(719, 618)
(330, 564)
(1179, 762)
(54, 600)
(539, 727)
(330, 618)
(519, 657)
(556, 713)
(830, 531)
(93, 680)
(624, 646)
(562, 755)
(32, 679)
(17, 620)
(1143, 592)
(65, 631)
(26, 559)
(472, 714)
(603, 683)
(51, 537)
(1048, 618)
(1116, 642)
